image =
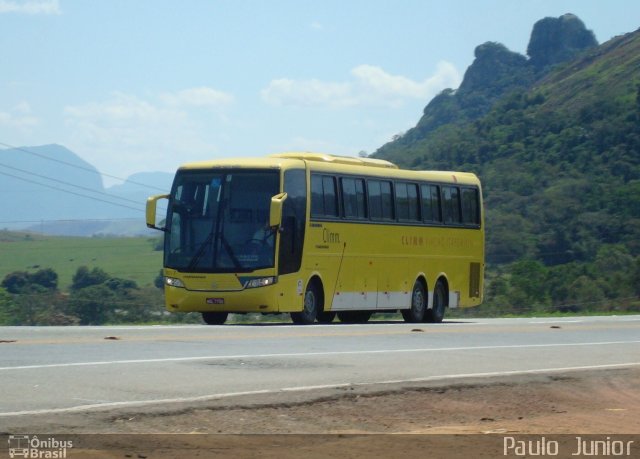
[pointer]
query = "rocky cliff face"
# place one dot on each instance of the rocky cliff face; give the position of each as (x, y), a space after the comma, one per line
(556, 40)
(497, 71)
(494, 69)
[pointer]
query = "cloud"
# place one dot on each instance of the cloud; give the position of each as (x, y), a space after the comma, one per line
(122, 109)
(385, 84)
(19, 118)
(142, 134)
(308, 93)
(198, 97)
(30, 6)
(369, 86)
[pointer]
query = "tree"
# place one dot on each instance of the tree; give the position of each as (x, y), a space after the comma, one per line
(119, 285)
(16, 281)
(159, 280)
(93, 304)
(615, 266)
(19, 281)
(84, 278)
(529, 276)
(7, 308)
(47, 278)
(635, 279)
(584, 294)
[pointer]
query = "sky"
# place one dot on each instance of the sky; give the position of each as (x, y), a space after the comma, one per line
(146, 85)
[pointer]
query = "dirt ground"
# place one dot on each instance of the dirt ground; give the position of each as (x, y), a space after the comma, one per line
(467, 418)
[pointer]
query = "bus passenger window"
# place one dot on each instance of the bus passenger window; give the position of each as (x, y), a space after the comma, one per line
(451, 204)
(317, 199)
(470, 214)
(407, 202)
(380, 200)
(414, 204)
(323, 196)
(353, 198)
(430, 203)
(387, 201)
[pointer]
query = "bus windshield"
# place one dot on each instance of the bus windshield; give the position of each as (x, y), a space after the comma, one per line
(218, 221)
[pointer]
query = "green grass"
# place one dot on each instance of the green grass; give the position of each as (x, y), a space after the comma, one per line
(125, 257)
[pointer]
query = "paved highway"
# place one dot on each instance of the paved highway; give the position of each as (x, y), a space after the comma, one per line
(52, 370)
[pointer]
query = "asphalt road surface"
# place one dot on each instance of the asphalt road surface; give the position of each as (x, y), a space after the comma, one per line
(49, 370)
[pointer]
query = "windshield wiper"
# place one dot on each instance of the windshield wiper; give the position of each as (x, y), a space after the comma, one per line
(217, 229)
(196, 258)
(232, 255)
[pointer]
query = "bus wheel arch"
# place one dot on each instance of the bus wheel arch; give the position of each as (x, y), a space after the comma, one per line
(312, 303)
(419, 302)
(323, 317)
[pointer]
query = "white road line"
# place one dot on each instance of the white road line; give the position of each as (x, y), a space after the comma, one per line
(201, 398)
(308, 354)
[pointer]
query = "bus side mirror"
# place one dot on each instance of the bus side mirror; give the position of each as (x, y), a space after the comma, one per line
(152, 204)
(275, 212)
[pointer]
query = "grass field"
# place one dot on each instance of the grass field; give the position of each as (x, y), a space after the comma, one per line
(126, 257)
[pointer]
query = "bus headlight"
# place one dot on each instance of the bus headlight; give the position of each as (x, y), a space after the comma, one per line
(260, 282)
(173, 282)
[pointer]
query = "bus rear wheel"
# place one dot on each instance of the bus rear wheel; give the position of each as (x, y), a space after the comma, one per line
(214, 318)
(418, 305)
(326, 317)
(354, 317)
(436, 313)
(311, 306)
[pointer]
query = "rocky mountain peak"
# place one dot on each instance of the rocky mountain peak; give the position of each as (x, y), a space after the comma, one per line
(555, 40)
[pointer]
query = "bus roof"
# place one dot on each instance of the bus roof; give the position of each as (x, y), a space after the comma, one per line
(338, 164)
(335, 159)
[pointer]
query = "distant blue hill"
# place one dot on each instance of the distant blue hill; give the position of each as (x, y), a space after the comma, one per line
(50, 189)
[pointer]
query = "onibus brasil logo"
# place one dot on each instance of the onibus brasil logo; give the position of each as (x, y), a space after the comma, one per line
(31, 446)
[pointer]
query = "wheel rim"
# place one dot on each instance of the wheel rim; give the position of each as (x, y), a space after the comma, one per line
(418, 300)
(309, 302)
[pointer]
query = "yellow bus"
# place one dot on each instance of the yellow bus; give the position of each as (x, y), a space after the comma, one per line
(318, 235)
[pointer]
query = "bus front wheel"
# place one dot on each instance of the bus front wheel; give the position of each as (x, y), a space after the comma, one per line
(311, 306)
(214, 318)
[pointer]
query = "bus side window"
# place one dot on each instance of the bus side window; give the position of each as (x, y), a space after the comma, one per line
(380, 200)
(375, 200)
(330, 196)
(323, 196)
(431, 203)
(470, 206)
(407, 202)
(387, 201)
(451, 204)
(414, 203)
(353, 198)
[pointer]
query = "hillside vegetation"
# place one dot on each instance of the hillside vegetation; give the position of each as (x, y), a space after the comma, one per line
(49, 280)
(557, 147)
(131, 258)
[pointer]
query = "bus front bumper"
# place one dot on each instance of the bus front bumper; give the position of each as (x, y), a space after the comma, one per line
(260, 299)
